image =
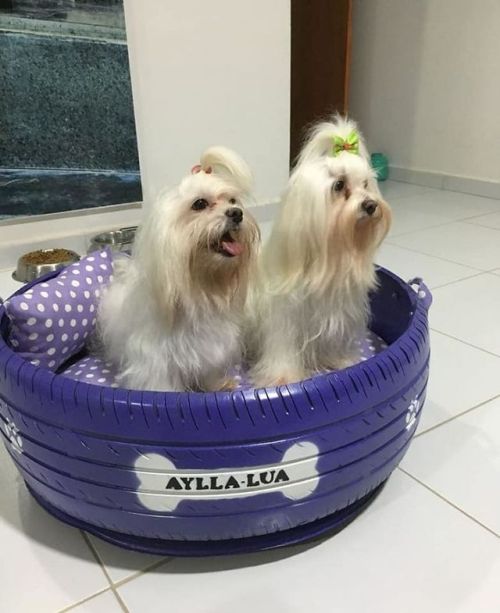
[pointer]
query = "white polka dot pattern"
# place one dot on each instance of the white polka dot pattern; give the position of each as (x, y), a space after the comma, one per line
(47, 315)
(92, 369)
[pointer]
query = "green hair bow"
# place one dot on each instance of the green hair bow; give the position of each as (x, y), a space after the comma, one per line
(349, 144)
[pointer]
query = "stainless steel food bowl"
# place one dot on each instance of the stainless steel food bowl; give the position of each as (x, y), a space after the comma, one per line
(34, 264)
(117, 240)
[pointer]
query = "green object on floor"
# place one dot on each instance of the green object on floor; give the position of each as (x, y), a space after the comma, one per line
(380, 164)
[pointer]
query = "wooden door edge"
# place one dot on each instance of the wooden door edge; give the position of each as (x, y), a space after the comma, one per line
(348, 44)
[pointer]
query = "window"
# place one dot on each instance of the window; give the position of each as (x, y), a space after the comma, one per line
(67, 130)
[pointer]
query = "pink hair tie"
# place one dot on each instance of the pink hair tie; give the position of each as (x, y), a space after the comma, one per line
(197, 168)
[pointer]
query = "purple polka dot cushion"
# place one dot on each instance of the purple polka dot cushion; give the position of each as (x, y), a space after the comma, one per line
(93, 369)
(51, 321)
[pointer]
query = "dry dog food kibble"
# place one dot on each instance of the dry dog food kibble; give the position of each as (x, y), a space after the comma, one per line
(48, 256)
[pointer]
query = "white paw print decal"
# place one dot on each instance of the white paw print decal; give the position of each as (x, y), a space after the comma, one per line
(12, 432)
(411, 415)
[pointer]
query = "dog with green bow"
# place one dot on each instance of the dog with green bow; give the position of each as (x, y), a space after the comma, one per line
(317, 268)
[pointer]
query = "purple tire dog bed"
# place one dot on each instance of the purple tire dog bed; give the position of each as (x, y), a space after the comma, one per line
(215, 473)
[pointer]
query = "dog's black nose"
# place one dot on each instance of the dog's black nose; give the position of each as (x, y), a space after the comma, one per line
(369, 206)
(235, 214)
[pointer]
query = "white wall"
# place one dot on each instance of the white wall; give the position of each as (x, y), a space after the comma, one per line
(425, 83)
(207, 73)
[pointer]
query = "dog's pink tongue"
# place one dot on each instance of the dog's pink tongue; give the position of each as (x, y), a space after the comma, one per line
(232, 247)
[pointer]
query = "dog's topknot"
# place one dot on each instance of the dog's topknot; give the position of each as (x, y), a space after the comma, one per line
(319, 141)
(226, 163)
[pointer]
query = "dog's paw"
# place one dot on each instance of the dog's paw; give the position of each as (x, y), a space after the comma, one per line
(346, 363)
(276, 380)
(228, 384)
(339, 363)
(285, 380)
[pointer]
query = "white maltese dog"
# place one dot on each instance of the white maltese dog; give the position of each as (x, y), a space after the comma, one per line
(316, 270)
(171, 318)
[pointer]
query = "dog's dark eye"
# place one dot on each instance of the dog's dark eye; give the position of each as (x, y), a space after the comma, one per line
(338, 186)
(199, 205)
(232, 200)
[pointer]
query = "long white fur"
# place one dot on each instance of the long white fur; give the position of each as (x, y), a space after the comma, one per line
(316, 270)
(171, 319)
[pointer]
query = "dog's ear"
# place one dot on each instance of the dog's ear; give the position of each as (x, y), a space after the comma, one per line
(163, 251)
(229, 165)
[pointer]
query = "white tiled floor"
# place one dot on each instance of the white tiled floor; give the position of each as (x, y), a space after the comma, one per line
(492, 220)
(103, 603)
(409, 552)
(469, 310)
(460, 242)
(428, 543)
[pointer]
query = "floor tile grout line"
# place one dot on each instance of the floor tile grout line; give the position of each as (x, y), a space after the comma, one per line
(467, 219)
(447, 421)
(476, 274)
(396, 198)
(143, 571)
(121, 602)
(135, 575)
(98, 559)
(403, 234)
(430, 255)
(155, 565)
(96, 555)
(460, 340)
(449, 222)
(479, 225)
(452, 504)
(441, 188)
(84, 600)
(490, 270)
(493, 211)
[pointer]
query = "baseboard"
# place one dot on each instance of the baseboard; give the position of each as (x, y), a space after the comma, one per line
(455, 183)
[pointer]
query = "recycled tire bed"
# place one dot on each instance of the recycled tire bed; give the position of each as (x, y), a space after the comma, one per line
(226, 472)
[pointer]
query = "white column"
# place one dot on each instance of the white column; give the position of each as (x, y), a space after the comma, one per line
(206, 73)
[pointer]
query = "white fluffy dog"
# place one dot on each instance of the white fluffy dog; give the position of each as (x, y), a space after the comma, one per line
(316, 270)
(171, 318)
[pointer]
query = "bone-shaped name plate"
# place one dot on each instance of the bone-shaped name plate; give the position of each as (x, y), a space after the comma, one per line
(162, 486)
